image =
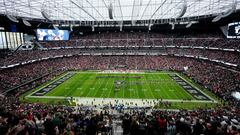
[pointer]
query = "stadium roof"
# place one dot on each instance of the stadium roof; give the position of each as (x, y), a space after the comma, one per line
(116, 10)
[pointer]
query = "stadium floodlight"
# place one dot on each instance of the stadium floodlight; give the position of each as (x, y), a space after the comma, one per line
(189, 25)
(55, 27)
(12, 18)
(217, 18)
(27, 23)
(110, 11)
(39, 25)
(121, 27)
(227, 13)
(231, 10)
(71, 27)
(150, 27)
(133, 22)
(46, 16)
(120, 24)
(173, 25)
(183, 9)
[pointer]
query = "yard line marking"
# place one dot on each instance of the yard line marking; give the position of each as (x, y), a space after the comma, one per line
(111, 89)
(137, 91)
(85, 78)
(176, 85)
(163, 91)
(81, 93)
(103, 89)
(145, 79)
(92, 87)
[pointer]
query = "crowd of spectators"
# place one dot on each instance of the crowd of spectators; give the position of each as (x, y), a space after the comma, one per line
(220, 80)
(198, 122)
(146, 39)
(16, 76)
(21, 56)
(149, 34)
(40, 119)
(170, 43)
(21, 118)
(216, 78)
(193, 42)
(226, 56)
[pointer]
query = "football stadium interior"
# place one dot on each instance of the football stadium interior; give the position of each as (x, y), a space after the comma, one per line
(120, 67)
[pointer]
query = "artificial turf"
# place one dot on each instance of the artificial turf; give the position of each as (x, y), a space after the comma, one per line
(157, 85)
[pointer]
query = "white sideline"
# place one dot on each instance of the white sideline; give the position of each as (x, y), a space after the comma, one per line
(125, 101)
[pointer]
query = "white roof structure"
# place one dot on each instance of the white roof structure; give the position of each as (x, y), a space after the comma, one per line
(118, 10)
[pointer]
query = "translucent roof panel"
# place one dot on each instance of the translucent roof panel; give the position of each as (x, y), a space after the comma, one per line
(100, 10)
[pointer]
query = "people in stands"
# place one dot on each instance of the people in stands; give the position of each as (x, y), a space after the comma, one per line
(22, 118)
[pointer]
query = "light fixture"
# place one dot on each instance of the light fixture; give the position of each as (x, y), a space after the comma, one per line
(12, 18)
(27, 23)
(121, 27)
(217, 18)
(110, 11)
(189, 25)
(46, 16)
(227, 13)
(150, 27)
(71, 27)
(183, 9)
(173, 25)
(55, 27)
(39, 25)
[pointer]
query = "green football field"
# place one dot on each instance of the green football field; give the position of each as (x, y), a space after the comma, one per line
(143, 86)
(86, 85)
(156, 85)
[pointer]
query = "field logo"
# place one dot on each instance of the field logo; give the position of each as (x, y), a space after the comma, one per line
(237, 28)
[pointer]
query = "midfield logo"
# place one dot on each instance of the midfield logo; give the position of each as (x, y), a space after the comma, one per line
(237, 28)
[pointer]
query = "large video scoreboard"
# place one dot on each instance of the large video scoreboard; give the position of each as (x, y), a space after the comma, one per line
(233, 30)
(52, 34)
